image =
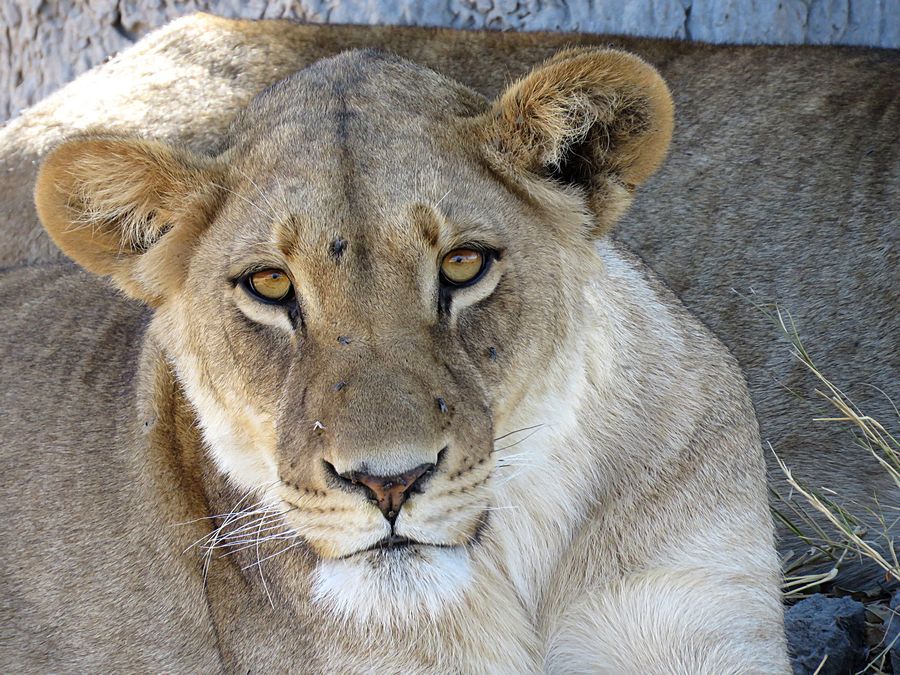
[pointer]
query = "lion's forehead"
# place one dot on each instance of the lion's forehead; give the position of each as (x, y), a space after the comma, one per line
(341, 164)
(359, 109)
(338, 89)
(360, 148)
(331, 212)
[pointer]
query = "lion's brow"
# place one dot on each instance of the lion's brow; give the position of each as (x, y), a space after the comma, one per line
(427, 223)
(290, 233)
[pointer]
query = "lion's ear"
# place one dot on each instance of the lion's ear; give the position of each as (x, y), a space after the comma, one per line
(597, 119)
(126, 208)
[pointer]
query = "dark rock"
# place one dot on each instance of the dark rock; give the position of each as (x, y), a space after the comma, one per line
(821, 625)
(892, 632)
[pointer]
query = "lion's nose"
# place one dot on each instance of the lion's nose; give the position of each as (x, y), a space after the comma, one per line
(390, 491)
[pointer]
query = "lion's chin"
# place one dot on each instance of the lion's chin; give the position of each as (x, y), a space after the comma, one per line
(393, 586)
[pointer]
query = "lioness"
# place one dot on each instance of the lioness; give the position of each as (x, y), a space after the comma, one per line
(393, 367)
(783, 185)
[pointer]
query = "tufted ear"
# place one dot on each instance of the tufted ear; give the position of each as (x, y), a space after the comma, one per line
(596, 119)
(126, 208)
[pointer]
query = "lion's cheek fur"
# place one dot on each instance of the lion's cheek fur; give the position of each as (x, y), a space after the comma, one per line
(240, 439)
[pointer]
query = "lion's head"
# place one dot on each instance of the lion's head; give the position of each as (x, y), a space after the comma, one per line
(375, 280)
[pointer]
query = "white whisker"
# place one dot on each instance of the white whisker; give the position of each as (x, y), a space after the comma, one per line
(277, 553)
(438, 202)
(261, 575)
(244, 199)
(251, 543)
(516, 431)
(260, 192)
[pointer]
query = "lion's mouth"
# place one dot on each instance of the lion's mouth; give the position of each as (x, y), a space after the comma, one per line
(396, 543)
(390, 543)
(400, 545)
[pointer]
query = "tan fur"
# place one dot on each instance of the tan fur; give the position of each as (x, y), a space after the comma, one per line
(545, 122)
(625, 534)
(578, 516)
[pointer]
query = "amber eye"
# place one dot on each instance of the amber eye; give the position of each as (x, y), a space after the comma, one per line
(462, 266)
(269, 285)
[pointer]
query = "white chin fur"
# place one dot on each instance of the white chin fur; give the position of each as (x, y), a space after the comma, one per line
(393, 587)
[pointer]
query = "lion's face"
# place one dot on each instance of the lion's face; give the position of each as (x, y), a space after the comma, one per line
(377, 364)
(370, 286)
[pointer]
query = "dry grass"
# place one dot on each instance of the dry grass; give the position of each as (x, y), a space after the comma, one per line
(834, 534)
(849, 535)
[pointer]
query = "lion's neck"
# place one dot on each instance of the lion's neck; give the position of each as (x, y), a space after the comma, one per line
(540, 480)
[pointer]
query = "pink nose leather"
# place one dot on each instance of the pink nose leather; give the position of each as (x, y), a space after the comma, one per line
(390, 491)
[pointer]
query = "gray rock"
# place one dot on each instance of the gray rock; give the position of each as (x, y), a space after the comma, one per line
(820, 626)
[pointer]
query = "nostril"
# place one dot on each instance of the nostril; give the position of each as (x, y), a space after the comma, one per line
(420, 483)
(349, 481)
(331, 472)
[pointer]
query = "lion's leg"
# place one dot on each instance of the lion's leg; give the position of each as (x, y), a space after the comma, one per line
(672, 621)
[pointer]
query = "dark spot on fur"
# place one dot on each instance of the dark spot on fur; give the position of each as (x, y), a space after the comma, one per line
(343, 117)
(344, 340)
(337, 248)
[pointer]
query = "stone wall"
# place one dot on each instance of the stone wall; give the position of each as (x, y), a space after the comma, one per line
(45, 43)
